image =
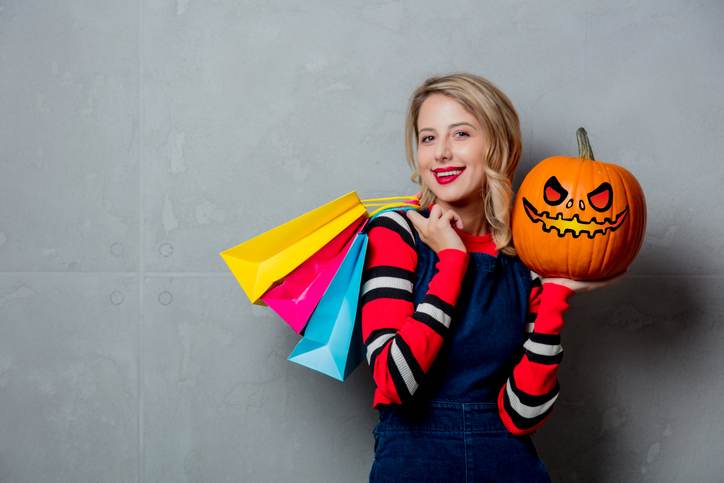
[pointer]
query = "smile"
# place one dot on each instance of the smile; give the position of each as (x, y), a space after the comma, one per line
(574, 225)
(448, 175)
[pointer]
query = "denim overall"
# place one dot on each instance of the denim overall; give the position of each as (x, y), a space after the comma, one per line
(450, 430)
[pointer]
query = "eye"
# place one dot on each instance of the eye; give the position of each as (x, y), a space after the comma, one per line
(424, 137)
(462, 132)
(553, 192)
(601, 198)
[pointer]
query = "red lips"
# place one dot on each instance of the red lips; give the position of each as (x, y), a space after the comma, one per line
(443, 170)
(447, 179)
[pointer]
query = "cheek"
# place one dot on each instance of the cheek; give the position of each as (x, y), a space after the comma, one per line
(478, 176)
(471, 150)
(424, 159)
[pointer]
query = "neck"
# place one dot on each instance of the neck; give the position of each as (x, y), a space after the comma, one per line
(472, 214)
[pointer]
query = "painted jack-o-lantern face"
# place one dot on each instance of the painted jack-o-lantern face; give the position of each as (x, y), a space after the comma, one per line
(600, 200)
(579, 218)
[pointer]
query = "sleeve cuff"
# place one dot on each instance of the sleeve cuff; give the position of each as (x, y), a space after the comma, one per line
(453, 262)
(553, 304)
(557, 291)
(451, 266)
(453, 256)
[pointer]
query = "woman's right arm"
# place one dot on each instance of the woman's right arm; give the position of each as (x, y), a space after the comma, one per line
(402, 341)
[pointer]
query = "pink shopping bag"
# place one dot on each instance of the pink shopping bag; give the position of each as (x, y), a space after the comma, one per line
(295, 297)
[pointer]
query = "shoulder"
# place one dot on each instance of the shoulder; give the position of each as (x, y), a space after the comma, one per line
(391, 225)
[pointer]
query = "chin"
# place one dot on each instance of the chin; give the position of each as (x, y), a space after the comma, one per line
(457, 195)
(451, 198)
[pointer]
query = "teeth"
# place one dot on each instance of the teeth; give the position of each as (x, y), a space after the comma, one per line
(449, 173)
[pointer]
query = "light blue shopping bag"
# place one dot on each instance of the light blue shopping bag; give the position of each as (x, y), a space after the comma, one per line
(332, 342)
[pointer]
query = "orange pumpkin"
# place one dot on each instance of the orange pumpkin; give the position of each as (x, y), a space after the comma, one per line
(578, 218)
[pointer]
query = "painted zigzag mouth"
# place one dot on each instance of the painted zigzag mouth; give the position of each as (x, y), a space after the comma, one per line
(574, 225)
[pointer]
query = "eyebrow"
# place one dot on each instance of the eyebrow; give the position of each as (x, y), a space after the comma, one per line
(449, 127)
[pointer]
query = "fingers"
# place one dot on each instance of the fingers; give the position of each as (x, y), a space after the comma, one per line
(451, 216)
(418, 221)
(413, 216)
(435, 212)
(612, 280)
(437, 215)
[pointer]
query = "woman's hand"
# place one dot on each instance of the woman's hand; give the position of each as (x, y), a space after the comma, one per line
(436, 230)
(579, 286)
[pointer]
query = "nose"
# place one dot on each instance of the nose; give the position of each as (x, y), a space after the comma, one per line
(442, 150)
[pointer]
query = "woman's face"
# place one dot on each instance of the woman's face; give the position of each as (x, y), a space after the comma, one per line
(450, 140)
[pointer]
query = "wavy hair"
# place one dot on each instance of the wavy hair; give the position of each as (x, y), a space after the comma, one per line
(499, 119)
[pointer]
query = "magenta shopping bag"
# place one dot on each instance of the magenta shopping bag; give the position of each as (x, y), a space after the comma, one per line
(295, 296)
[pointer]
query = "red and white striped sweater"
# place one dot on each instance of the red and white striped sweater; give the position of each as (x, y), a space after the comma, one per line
(402, 341)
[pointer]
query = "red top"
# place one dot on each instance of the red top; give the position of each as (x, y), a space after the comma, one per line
(387, 312)
(477, 243)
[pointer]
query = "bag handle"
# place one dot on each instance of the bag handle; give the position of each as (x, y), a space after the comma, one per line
(390, 202)
(395, 205)
(371, 200)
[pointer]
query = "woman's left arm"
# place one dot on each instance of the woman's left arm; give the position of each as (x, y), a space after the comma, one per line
(527, 398)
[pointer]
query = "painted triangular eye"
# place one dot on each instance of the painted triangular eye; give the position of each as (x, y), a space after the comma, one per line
(601, 198)
(553, 192)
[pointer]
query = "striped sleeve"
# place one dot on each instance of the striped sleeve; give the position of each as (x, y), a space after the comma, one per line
(530, 392)
(402, 341)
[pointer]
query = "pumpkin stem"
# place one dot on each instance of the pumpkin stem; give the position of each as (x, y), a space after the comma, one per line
(584, 146)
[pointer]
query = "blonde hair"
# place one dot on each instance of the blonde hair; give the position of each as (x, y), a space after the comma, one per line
(496, 114)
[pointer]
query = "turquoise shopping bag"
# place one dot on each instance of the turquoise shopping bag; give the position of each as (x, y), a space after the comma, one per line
(332, 342)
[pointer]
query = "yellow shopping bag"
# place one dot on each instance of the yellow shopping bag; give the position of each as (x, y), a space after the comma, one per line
(263, 260)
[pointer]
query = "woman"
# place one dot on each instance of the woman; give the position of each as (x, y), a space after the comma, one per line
(463, 341)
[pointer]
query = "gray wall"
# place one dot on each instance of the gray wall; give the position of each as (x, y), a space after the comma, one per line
(139, 139)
